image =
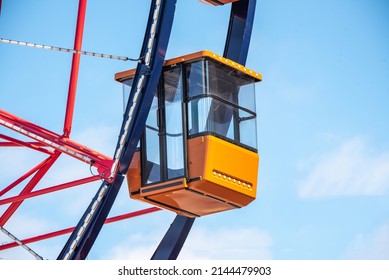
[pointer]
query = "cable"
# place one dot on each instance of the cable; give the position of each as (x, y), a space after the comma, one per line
(52, 48)
(24, 246)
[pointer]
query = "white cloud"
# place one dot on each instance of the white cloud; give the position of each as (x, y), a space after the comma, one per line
(27, 224)
(227, 244)
(201, 244)
(138, 246)
(351, 169)
(373, 246)
(17, 253)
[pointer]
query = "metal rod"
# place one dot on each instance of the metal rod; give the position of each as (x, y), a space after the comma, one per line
(20, 243)
(153, 50)
(18, 143)
(61, 49)
(50, 189)
(174, 239)
(75, 67)
(57, 142)
(29, 187)
(22, 178)
(70, 229)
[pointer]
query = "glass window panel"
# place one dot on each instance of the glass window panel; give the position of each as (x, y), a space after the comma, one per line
(247, 97)
(227, 83)
(195, 78)
(173, 117)
(220, 118)
(127, 85)
(208, 115)
(152, 170)
(220, 83)
(197, 115)
(152, 118)
(248, 129)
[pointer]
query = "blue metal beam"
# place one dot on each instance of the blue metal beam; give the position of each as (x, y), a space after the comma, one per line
(174, 239)
(90, 226)
(153, 73)
(236, 48)
(149, 70)
(239, 30)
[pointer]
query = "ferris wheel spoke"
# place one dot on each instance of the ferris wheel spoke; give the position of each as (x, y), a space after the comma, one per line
(59, 187)
(46, 164)
(74, 70)
(147, 76)
(57, 233)
(236, 48)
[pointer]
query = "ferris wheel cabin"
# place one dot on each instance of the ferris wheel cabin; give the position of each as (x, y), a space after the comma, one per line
(198, 153)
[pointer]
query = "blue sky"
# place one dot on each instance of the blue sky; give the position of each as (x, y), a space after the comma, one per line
(323, 126)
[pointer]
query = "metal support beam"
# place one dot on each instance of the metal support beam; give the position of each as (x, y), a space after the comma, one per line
(174, 239)
(75, 66)
(29, 187)
(12, 142)
(146, 78)
(149, 72)
(84, 235)
(239, 30)
(22, 178)
(71, 229)
(50, 190)
(236, 49)
(102, 162)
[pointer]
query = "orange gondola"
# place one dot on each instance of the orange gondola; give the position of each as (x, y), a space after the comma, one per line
(198, 153)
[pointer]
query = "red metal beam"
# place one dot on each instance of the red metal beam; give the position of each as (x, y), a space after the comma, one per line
(102, 162)
(22, 178)
(28, 129)
(29, 187)
(132, 215)
(9, 119)
(13, 144)
(69, 230)
(18, 143)
(75, 67)
(50, 189)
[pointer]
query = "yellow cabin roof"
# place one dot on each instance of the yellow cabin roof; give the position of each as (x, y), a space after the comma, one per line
(194, 57)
